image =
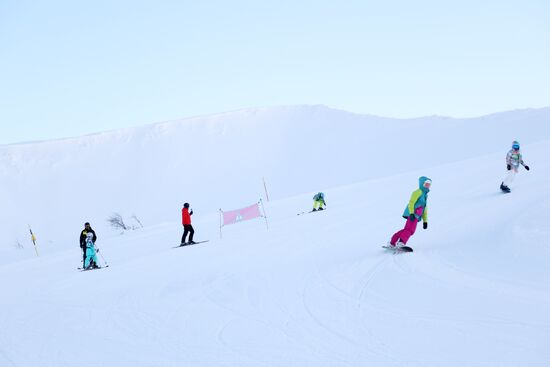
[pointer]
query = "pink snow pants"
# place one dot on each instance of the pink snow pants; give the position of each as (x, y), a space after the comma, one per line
(408, 231)
(405, 233)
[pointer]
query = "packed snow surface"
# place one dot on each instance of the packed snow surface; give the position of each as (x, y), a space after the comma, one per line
(312, 290)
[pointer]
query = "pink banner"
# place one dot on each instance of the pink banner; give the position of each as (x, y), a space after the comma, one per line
(240, 215)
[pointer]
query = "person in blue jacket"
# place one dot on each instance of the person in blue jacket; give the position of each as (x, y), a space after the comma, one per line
(90, 262)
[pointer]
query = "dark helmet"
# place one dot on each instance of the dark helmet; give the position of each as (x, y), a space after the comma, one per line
(186, 205)
(86, 224)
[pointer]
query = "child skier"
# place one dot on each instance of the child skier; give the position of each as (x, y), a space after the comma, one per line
(513, 160)
(416, 210)
(319, 201)
(91, 254)
(187, 227)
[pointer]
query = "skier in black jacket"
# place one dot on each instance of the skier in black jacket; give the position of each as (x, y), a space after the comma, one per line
(87, 229)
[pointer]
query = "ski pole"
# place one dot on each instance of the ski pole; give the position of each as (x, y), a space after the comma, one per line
(100, 254)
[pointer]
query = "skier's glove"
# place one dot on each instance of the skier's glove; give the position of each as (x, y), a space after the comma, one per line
(508, 167)
(412, 217)
(425, 225)
(527, 168)
(191, 213)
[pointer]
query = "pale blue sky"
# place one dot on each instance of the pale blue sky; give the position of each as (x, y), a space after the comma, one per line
(74, 67)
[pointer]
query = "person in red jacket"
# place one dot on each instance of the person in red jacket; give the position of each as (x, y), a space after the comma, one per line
(187, 227)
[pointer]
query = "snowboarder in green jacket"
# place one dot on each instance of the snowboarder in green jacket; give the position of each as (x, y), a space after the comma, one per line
(319, 201)
(415, 211)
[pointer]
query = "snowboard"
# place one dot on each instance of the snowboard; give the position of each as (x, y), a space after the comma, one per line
(311, 211)
(398, 249)
(189, 244)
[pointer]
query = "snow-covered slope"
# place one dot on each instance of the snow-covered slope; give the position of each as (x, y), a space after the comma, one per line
(219, 161)
(314, 290)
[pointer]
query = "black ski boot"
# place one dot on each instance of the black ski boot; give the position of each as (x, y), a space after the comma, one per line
(504, 188)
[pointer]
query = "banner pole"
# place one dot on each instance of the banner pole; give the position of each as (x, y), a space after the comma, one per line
(265, 188)
(265, 215)
(221, 214)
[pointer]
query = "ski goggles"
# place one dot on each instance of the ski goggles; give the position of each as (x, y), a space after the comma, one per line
(515, 146)
(427, 184)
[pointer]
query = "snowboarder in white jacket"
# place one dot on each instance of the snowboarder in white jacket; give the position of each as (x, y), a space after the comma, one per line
(513, 160)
